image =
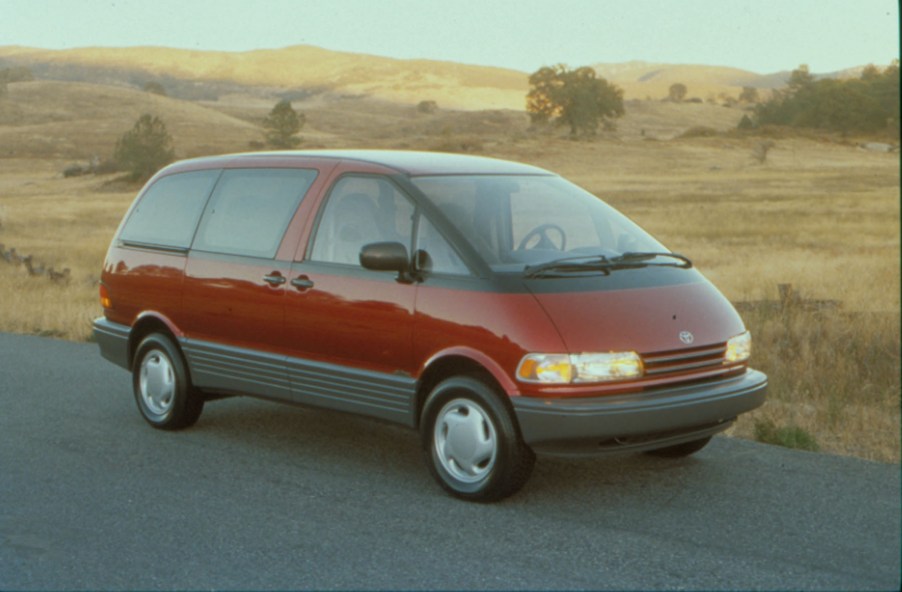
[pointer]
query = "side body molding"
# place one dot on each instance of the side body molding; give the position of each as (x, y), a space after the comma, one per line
(232, 370)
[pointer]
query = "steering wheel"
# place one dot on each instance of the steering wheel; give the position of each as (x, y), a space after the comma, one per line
(545, 241)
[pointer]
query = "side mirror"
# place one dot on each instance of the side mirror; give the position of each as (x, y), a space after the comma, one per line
(387, 256)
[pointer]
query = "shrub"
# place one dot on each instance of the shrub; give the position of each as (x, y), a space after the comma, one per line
(677, 92)
(282, 124)
(789, 436)
(427, 107)
(145, 149)
(699, 131)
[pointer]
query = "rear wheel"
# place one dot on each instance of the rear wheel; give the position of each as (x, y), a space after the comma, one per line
(681, 450)
(471, 442)
(162, 389)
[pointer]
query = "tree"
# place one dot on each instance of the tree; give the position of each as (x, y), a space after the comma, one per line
(800, 79)
(576, 98)
(145, 149)
(677, 92)
(885, 89)
(281, 125)
(749, 94)
(866, 104)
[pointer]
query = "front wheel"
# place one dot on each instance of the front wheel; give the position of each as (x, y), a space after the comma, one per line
(162, 388)
(471, 443)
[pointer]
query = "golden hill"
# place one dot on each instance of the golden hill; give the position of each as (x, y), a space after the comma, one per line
(408, 81)
(452, 85)
(641, 80)
(46, 119)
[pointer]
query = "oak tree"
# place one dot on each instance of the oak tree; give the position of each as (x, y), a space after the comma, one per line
(576, 98)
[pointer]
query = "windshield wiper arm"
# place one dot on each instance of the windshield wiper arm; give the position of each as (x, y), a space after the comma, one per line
(635, 257)
(570, 265)
(603, 264)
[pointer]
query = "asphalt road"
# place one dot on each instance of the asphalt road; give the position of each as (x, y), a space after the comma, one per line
(262, 496)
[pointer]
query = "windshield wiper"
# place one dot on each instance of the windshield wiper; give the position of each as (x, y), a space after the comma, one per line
(569, 265)
(684, 261)
(602, 264)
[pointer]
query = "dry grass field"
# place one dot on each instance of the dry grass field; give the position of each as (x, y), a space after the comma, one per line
(820, 214)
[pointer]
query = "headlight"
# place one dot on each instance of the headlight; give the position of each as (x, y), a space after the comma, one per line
(579, 368)
(739, 348)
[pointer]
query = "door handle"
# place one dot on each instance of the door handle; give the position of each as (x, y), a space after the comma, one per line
(302, 282)
(274, 279)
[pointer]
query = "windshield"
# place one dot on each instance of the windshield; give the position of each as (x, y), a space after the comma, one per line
(515, 222)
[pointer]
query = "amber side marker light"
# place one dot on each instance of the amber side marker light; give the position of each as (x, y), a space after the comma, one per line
(105, 297)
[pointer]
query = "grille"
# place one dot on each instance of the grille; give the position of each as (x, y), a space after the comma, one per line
(685, 361)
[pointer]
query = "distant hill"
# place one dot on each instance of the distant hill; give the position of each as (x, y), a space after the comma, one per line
(49, 119)
(305, 69)
(641, 80)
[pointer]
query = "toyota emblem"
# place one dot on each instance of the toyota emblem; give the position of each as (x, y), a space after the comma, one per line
(687, 337)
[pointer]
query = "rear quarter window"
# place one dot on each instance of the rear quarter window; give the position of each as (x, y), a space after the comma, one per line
(167, 214)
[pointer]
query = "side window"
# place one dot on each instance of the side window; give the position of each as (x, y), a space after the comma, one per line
(359, 211)
(168, 211)
(442, 257)
(251, 209)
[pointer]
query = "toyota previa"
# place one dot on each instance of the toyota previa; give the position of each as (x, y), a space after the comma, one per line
(495, 307)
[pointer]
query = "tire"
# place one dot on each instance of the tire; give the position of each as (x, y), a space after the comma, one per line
(471, 442)
(681, 450)
(163, 391)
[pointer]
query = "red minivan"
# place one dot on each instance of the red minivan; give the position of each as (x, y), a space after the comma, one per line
(494, 306)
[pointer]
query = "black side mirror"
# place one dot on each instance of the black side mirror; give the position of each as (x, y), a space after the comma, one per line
(387, 256)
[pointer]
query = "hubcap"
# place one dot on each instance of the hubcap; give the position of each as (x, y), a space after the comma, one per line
(157, 382)
(465, 441)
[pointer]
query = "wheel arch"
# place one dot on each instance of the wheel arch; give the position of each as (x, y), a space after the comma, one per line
(466, 362)
(147, 323)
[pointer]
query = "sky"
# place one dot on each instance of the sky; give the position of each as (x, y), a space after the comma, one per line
(762, 36)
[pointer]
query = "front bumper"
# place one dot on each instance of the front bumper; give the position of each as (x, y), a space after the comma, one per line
(637, 421)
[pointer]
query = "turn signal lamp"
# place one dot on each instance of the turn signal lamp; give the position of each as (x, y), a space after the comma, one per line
(739, 348)
(580, 368)
(105, 297)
